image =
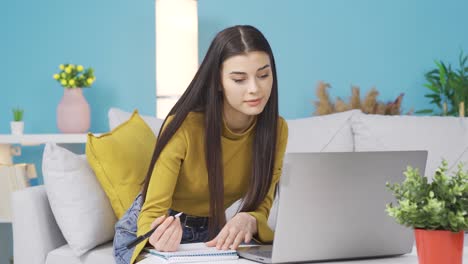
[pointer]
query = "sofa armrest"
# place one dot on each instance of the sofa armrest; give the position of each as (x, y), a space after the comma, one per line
(35, 232)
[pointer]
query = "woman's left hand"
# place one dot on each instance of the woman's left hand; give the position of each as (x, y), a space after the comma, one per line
(240, 228)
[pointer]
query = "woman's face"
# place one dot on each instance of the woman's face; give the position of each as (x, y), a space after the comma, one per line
(247, 80)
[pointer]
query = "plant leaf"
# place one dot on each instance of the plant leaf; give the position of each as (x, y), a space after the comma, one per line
(425, 111)
(432, 88)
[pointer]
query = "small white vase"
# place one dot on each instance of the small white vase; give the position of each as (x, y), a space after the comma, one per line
(17, 127)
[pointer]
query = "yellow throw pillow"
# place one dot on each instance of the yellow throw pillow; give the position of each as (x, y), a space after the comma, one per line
(120, 160)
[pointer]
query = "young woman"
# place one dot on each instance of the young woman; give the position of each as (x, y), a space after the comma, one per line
(222, 141)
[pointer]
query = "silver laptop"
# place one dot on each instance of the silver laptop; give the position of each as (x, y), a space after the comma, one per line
(332, 207)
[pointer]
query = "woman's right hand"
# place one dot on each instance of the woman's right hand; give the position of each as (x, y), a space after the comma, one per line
(167, 235)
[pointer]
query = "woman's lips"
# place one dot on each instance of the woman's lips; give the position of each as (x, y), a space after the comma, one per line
(254, 102)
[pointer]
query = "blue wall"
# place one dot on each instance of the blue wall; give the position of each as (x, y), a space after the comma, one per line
(387, 44)
(115, 37)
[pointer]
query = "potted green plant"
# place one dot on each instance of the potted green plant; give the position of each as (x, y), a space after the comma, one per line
(17, 125)
(448, 88)
(460, 84)
(437, 211)
(73, 111)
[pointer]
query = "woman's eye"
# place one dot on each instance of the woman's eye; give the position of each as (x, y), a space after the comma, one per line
(238, 80)
(264, 76)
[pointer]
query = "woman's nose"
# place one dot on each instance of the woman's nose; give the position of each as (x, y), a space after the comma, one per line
(253, 88)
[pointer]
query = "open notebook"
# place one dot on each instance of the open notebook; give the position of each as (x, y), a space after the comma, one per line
(192, 252)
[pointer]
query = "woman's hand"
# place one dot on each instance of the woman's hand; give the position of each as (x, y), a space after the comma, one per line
(167, 235)
(240, 228)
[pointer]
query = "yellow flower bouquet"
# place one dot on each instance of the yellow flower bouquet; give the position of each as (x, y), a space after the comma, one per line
(75, 76)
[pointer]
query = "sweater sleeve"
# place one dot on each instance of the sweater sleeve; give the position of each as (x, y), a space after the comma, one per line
(162, 185)
(264, 232)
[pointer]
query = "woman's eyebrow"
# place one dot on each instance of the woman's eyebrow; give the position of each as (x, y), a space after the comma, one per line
(259, 69)
(237, 72)
(264, 67)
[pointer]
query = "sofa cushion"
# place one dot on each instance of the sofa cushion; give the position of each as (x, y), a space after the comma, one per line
(79, 204)
(328, 133)
(35, 230)
(442, 137)
(120, 160)
(118, 116)
(100, 255)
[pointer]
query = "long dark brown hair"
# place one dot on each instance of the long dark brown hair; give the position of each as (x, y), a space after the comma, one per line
(204, 94)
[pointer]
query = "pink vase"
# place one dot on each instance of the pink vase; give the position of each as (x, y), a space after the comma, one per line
(73, 113)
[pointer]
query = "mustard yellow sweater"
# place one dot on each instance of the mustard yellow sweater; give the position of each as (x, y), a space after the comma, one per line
(180, 178)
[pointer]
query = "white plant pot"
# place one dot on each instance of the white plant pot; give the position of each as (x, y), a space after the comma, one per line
(17, 127)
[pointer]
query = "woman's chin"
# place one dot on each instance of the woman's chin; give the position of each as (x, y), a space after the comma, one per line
(253, 110)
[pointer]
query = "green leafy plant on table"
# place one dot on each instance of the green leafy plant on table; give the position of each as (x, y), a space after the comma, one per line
(17, 114)
(436, 210)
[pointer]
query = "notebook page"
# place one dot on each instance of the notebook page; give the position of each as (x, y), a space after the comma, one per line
(206, 259)
(193, 249)
(148, 258)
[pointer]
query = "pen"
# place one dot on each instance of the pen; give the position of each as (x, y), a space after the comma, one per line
(137, 240)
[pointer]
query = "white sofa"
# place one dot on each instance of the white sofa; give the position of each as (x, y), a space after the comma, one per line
(38, 239)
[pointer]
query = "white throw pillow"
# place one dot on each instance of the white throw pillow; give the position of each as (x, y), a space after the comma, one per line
(117, 116)
(80, 206)
(442, 137)
(327, 133)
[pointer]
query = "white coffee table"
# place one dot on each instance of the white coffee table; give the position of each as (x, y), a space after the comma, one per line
(405, 259)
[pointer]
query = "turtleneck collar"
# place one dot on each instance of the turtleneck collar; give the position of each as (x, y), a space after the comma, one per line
(228, 133)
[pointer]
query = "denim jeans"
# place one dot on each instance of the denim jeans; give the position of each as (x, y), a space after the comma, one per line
(126, 230)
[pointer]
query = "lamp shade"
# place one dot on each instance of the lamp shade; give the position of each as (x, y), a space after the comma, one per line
(176, 50)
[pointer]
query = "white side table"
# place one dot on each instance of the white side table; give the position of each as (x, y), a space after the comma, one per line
(10, 145)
